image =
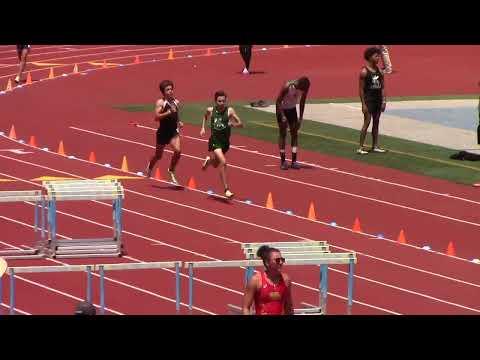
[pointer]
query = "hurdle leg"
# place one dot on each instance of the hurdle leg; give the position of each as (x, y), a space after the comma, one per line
(89, 284)
(12, 291)
(177, 287)
(320, 287)
(102, 290)
(35, 217)
(248, 274)
(43, 219)
(120, 225)
(114, 217)
(190, 286)
(323, 287)
(350, 287)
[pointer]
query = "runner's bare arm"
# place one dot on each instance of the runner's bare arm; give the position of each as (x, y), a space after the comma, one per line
(232, 115)
(384, 96)
(207, 115)
(288, 301)
(159, 116)
(303, 99)
(361, 84)
(249, 294)
(280, 97)
(180, 122)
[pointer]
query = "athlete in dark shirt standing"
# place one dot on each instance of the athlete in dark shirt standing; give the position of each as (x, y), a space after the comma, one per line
(372, 96)
(166, 113)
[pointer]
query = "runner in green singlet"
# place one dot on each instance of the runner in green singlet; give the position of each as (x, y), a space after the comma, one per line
(222, 118)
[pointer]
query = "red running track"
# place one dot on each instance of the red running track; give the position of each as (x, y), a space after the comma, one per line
(391, 279)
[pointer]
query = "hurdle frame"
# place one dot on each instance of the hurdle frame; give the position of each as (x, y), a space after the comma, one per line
(298, 250)
(89, 269)
(322, 260)
(75, 190)
(40, 231)
(102, 268)
(12, 271)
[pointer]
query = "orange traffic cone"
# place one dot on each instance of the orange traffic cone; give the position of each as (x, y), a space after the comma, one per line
(269, 204)
(61, 150)
(157, 175)
(75, 69)
(311, 212)
(92, 158)
(450, 249)
(29, 78)
(170, 55)
(32, 141)
(51, 75)
(137, 60)
(12, 134)
(124, 164)
(401, 237)
(192, 184)
(9, 85)
(356, 226)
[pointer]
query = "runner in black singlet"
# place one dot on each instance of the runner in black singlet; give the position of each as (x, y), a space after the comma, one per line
(166, 113)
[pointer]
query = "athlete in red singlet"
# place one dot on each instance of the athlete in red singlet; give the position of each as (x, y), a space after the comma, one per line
(269, 289)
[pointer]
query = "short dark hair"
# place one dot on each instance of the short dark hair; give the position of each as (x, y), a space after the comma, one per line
(303, 83)
(85, 308)
(164, 84)
(220, 93)
(369, 52)
(264, 252)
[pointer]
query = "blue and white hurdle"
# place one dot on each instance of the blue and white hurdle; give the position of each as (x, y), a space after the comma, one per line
(296, 254)
(101, 269)
(36, 197)
(81, 190)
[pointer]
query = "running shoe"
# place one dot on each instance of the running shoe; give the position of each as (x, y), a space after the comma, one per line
(228, 194)
(295, 165)
(173, 179)
(284, 166)
(245, 71)
(362, 152)
(379, 150)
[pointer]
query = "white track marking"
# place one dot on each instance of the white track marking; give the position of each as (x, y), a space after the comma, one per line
(97, 275)
(244, 222)
(298, 182)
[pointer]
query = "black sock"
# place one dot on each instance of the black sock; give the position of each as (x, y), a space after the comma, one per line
(282, 157)
(294, 157)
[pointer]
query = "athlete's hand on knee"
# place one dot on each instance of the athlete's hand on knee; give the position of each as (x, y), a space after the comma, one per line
(284, 118)
(202, 131)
